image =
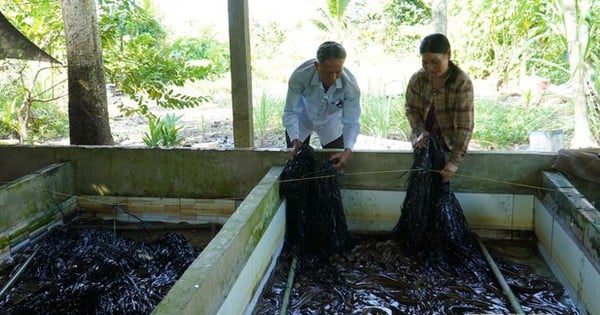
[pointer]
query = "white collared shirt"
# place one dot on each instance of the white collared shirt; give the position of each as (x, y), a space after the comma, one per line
(330, 114)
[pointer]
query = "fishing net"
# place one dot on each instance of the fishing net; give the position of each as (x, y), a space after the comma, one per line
(315, 219)
(432, 217)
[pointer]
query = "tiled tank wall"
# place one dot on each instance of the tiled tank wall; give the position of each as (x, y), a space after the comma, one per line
(567, 228)
(492, 215)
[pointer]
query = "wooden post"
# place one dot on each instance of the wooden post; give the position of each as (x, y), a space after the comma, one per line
(241, 75)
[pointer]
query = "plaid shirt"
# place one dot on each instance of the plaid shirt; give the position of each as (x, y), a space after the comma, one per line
(453, 106)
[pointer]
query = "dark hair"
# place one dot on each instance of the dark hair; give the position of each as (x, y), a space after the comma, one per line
(330, 50)
(435, 43)
(439, 44)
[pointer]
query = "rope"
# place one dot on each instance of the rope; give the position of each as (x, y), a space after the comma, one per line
(415, 170)
(82, 198)
(344, 174)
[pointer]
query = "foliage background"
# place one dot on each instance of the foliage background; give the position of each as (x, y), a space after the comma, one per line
(511, 48)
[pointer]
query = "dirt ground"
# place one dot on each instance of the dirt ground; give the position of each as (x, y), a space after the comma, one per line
(209, 125)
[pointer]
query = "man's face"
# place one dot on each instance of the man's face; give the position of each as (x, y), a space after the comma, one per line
(330, 70)
(435, 64)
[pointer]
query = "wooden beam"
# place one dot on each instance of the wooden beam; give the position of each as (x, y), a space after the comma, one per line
(241, 76)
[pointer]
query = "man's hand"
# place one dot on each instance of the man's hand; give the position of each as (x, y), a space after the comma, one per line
(448, 171)
(296, 143)
(420, 142)
(342, 158)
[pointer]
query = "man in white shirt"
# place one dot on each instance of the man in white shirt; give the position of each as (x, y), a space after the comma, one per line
(324, 97)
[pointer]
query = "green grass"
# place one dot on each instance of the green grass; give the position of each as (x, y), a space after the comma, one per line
(383, 116)
(502, 126)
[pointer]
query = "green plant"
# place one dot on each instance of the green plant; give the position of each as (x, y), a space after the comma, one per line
(594, 102)
(383, 116)
(163, 132)
(408, 12)
(204, 50)
(333, 19)
(49, 121)
(145, 66)
(501, 126)
(10, 95)
(266, 111)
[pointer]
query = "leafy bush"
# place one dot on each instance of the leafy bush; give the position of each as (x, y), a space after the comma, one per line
(207, 50)
(10, 95)
(500, 126)
(48, 122)
(408, 12)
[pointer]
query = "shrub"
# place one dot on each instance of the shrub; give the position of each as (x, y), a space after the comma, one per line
(500, 126)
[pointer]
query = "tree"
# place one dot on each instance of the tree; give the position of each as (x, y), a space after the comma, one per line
(88, 109)
(136, 56)
(439, 16)
(578, 38)
(333, 18)
(30, 96)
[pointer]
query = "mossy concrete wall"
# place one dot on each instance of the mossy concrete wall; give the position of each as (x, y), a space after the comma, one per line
(205, 284)
(30, 202)
(199, 173)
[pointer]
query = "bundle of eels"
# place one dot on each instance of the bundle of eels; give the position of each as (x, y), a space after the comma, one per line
(432, 219)
(315, 219)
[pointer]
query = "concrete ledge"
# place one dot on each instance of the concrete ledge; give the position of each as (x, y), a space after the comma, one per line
(576, 212)
(207, 282)
(218, 174)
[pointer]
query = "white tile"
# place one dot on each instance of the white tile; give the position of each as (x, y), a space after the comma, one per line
(373, 204)
(487, 210)
(542, 226)
(590, 287)
(522, 212)
(567, 255)
(370, 210)
(352, 200)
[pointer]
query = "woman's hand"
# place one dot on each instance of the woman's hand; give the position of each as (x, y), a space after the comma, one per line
(448, 171)
(420, 142)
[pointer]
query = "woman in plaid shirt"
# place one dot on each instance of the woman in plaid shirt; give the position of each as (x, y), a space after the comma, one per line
(439, 102)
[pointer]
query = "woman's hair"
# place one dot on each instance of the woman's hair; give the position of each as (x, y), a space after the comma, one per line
(330, 50)
(439, 44)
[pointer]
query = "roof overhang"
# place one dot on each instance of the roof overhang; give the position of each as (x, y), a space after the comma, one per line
(13, 44)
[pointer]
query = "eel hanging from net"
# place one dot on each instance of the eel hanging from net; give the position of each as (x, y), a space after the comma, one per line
(315, 218)
(432, 218)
